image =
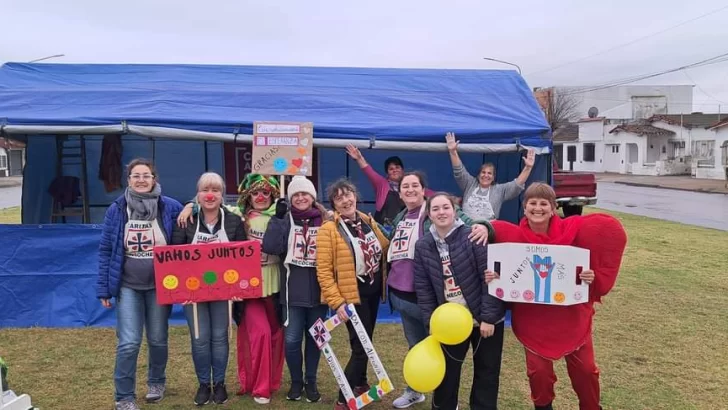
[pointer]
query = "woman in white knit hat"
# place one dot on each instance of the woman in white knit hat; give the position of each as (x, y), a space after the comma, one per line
(291, 234)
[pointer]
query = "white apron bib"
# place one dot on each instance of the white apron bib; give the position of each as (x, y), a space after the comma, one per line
(301, 252)
(375, 249)
(406, 234)
(265, 259)
(218, 237)
(140, 238)
(480, 204)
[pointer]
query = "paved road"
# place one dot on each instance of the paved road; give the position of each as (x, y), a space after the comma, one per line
(694, 208)
(10, 197)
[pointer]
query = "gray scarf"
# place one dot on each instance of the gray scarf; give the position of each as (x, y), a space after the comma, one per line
(143, 206)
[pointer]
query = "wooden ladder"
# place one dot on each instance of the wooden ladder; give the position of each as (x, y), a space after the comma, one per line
(72, 153)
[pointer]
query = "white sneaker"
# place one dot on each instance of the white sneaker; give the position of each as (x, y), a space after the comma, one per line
(408, 398)
(262, 400)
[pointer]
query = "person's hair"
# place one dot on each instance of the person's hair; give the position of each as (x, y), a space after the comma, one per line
(420, 176)
(437, 195)
(392, 160)
(341, 185)
(540, 190)
(211, 179)
(487, 165)
(140, 161)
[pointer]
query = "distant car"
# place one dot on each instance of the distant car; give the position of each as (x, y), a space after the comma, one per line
(574, 190)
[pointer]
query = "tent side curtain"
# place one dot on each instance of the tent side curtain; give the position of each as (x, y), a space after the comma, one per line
(411, 105)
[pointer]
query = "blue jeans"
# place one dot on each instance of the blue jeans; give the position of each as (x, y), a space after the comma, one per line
(211, 349)
(136, 310)
(412, 323)
(300, 319)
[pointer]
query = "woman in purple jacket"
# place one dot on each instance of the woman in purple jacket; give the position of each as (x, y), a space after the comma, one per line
(134, 224)
(449, 268)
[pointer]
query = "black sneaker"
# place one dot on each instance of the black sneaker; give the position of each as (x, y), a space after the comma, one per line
(219, 393)
(312, 393)
(294, 393)
(203, 394)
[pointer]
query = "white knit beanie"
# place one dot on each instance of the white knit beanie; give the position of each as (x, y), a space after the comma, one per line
(299, 183)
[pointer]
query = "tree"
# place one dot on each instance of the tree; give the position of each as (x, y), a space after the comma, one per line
(559, 107)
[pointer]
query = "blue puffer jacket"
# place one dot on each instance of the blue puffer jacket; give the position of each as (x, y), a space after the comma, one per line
(111, 248)
(468, 261)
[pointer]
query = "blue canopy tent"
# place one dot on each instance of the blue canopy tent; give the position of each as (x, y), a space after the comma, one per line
(193, 118)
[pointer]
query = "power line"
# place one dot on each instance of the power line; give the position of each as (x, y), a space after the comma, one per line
(630, 42)
(701, 88)
(614, 83)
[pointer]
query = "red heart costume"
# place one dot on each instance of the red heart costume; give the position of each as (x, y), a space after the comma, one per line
(551, 332)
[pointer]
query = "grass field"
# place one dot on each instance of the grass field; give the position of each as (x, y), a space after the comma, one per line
(661, 340)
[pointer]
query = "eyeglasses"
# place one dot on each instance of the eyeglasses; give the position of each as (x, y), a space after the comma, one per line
(139, 177)
(259, 193)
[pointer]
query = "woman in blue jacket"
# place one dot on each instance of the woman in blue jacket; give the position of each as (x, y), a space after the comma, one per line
(449, 268)
(134, 224)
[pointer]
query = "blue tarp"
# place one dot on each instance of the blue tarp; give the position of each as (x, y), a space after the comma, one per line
(48, 272)
(482, 106)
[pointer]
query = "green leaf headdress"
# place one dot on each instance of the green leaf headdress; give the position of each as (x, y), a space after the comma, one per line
(254, 182)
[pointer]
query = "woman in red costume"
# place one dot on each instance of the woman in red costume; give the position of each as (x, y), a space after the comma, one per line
(548, 332)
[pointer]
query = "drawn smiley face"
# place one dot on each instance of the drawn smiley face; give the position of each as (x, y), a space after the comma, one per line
(280, 164)
(192, 283)
(499, 293)
(254, 282)
(559, 297)
(528, 295)
(230, 276)
(170, 282)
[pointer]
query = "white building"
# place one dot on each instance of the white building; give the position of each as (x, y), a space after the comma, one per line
(693, 144)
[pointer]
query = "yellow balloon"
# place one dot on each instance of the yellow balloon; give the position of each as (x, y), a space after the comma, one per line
(424, 365)
(451, 323)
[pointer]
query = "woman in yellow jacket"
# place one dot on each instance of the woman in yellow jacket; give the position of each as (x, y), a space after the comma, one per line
(350, 269)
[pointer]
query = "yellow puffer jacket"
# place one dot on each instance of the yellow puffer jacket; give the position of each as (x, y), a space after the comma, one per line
(335, 263)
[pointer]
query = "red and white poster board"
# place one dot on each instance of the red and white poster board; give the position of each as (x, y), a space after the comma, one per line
(207, 272)
(543, 274)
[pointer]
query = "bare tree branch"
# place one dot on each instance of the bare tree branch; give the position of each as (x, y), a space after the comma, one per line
(561, 109)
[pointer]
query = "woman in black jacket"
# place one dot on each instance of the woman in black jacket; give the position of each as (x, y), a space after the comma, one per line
(213, 224)
(449, 268)
(291, 234)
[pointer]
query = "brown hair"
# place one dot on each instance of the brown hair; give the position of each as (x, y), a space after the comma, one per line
(341, 185)
(141, 161)
(420, 176)
(540, 190)
(439, 194)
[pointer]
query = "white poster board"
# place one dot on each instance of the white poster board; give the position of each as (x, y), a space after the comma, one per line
(543, 274)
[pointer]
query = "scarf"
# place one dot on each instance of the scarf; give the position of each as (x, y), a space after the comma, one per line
(252, 213)
(143, 206)
(369, 261)
(313, 215)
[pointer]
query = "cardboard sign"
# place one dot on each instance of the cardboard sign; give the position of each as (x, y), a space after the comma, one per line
(282, 148)
(207, 272)
(321, 334)
(543, 274)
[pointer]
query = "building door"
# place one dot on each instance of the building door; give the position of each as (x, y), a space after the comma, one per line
(612, 158)
(559, 155)
(571, 156)
(16, 162)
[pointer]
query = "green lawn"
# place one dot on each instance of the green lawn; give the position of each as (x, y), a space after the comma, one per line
(10, 215)
(661, 340)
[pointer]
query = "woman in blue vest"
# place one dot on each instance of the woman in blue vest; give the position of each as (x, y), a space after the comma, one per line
(134, 224)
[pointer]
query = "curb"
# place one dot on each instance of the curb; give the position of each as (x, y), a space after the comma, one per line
(10, 184)
(702, 191)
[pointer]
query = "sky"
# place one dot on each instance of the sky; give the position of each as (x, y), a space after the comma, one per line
(556, 43)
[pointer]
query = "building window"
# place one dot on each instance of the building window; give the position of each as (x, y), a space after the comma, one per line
(589, 152)
(615, 149)
(3, 161)
(704, 152)
(678, 149)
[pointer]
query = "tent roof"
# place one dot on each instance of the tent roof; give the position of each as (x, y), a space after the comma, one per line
(480, 106)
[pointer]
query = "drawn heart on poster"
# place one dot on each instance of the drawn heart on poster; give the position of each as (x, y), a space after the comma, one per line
(304, 142)
(301, 150)
(297, 162)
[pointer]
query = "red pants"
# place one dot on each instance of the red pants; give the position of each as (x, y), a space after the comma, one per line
(583, 372)
(260, 348)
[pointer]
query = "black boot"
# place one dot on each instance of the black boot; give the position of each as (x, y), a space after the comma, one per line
(546, 407)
